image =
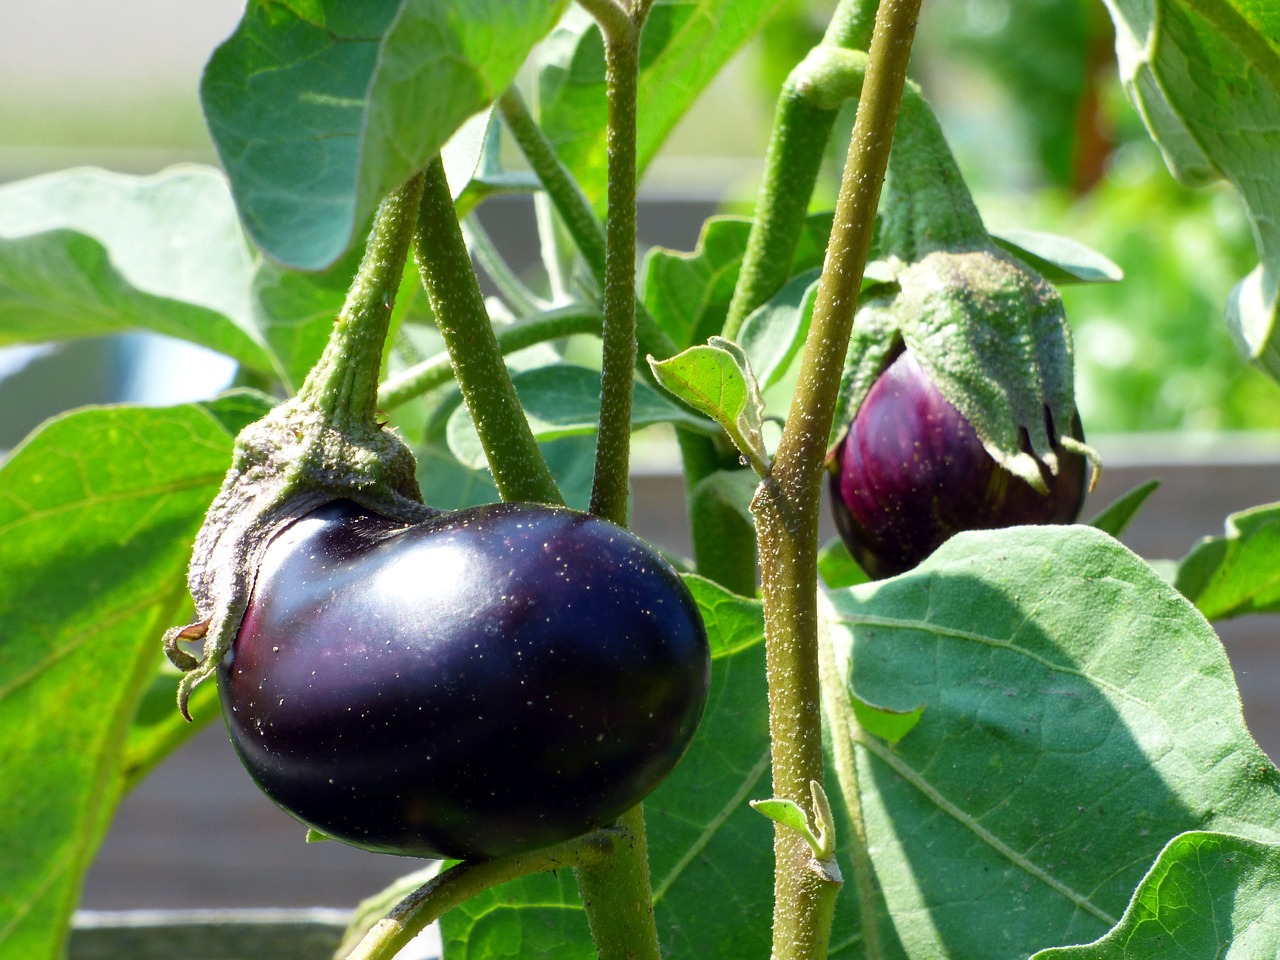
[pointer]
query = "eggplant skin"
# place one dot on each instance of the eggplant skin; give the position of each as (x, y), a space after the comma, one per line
(484, 683)
(910, 473)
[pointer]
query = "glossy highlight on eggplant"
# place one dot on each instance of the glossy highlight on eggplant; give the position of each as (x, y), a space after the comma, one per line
(496, 680)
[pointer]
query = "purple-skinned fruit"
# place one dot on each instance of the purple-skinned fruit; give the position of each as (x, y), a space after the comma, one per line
(910, 472)
(492, 681)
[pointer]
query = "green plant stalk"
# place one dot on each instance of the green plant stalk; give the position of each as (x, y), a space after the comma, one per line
(436, 371)
(343, 385)
(519, 470)
(575, 210)
(609, 484)
(786, 506)
(700, 455)
(567, 197)
(804, 117)
(616, 894)
(429, 902)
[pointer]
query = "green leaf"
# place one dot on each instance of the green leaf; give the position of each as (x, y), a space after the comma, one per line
(688, 294)
(683, 47)
(86, 253)
(1205, 75)
(1080, 714)
(706, 845)
(883, 722)
(717, 380)
(720, 522)
(1058, 259)
(97, 514)
(1208, 895)
(1239, 572)
(837, 567)
(562, 400)
(774, 332)
(1116, 517)
(734, 623)
(321, 109)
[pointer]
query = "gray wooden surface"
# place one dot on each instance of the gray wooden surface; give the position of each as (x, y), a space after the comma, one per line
(198, 834)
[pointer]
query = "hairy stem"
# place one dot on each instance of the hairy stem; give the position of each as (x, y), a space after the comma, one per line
(575, 210)
(786, 507)
(344, 382)
(613, 440)
(430, 901)
(519, 469)
(805, 114)
(617, 897)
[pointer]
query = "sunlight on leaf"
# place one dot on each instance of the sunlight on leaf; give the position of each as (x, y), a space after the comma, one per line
(97, 514)
(1208, 895)
(1058, 752)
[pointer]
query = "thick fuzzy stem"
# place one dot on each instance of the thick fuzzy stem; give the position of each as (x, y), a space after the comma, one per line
(803, 119)
(613, 441)
(786, 507)
(519, 469)
(461, 882)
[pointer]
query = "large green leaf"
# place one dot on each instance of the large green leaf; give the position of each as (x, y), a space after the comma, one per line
(1079, 713)
(320, 109)
(710, 855)
(1238, 572)
(86, 253)
(1210, 895)
(1205, 75)
(684, 45)
(97, 514)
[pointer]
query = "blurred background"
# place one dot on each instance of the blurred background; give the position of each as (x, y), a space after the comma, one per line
(1028, 95)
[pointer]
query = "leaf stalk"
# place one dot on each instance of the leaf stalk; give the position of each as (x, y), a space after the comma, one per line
(786, 505)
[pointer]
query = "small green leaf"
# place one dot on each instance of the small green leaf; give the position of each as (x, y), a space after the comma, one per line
(884, 722)
(688, 294)
(1207, 895)
(784, 812)
(320, 110)
(1116, 517)
(1239, 572)
(1058, 259)
(715, 380)
(734, 623)
(837, 567)
(86, 253)
(774, 332)
(563, 400)
(789, 815)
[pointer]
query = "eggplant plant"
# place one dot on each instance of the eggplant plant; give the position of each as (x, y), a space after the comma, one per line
(1004, 735)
